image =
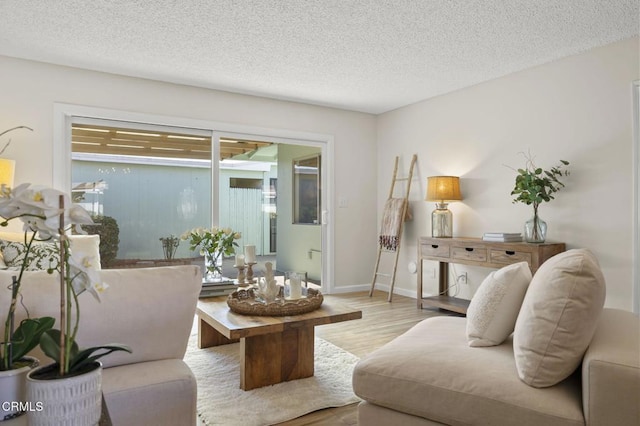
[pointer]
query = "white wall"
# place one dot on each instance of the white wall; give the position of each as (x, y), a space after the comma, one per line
(29, 90)
(578, 109)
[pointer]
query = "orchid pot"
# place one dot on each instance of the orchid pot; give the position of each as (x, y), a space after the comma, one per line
(73, 400)
(13, 388)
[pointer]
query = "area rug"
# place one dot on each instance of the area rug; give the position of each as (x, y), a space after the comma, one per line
(222, 402)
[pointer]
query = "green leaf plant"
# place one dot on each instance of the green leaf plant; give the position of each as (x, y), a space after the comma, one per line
(17, 343)
(535, 185)
(79, 360)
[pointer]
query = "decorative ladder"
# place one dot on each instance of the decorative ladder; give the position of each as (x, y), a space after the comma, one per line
(405, 206)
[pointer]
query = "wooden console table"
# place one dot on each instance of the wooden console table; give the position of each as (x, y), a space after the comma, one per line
(474, 251)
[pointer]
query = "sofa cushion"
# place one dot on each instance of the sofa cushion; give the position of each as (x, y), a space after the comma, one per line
(492, 313)
(150, 393)
(431, 372)
(558, 317)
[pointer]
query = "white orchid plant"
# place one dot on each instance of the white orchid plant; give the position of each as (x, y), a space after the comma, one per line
(45, 214)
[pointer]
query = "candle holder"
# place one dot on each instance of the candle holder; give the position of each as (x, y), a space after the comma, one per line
(249, 278)
(241, 276)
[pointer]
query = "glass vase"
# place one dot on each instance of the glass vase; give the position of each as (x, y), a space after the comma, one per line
(213, 266)
(535, 230)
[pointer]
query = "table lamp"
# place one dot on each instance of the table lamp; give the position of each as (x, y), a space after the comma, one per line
(7, 171)
(442, 189)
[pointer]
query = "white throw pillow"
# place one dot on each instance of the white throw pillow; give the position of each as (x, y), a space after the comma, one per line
(494, 308)
(89, 245)
(558, 317)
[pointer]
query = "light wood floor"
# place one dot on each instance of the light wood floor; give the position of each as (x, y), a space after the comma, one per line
(381, 322)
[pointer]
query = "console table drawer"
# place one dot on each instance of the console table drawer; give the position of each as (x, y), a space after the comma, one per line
(476, 254)
(435, 250)
(507, 257)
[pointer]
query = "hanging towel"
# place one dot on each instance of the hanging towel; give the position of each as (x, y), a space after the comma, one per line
(391, 221)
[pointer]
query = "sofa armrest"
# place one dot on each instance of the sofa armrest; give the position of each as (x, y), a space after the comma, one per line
(611, 371)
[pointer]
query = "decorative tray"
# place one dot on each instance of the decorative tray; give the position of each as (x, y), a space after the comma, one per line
(244, 301)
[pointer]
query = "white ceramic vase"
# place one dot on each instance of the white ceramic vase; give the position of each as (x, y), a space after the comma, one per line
(13, 390)
(69, 401)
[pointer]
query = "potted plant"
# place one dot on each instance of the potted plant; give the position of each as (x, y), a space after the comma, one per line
(534, 185)
(16, 343)
(213, 243)
(44, 211)
(15, 362)
(169, 246)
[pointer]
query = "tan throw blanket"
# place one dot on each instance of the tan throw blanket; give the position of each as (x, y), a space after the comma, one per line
(391, 221)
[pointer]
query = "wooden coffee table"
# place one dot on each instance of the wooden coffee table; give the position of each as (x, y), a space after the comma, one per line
(272, 349)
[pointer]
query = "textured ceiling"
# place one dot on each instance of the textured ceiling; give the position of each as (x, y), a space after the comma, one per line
(363, 55)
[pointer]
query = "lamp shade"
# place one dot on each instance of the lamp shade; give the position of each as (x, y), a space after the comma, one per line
(7, 170)
(443, 188)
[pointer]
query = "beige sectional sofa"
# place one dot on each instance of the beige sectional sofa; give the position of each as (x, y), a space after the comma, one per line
(432, 375)
(152, 311)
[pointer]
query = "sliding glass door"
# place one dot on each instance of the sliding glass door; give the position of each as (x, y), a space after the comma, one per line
(148, 183)
(158, 176)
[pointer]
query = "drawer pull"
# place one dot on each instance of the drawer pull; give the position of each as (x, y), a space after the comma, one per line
(435, 245)
(468, 248)
(510, 253)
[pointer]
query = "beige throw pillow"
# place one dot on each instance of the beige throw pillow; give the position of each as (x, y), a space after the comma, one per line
(558, 317)
(88, 245)
(494, 308)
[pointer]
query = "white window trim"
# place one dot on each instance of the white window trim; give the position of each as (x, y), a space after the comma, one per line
(636, 195)
(64, 114)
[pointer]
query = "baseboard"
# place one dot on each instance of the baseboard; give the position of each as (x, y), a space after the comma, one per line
(350, 288)
(366, 287)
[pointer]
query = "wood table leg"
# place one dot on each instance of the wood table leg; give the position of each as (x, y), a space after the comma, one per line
(209, 336)
(443, 278)
(278, 357)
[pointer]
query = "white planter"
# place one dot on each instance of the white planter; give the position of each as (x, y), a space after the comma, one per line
(70, 401)
(12, 390)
